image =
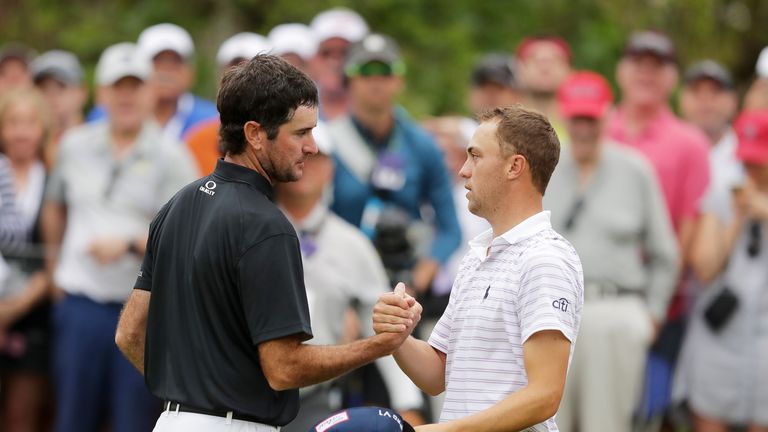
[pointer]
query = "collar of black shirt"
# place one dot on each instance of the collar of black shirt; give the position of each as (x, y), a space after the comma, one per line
(238, 173)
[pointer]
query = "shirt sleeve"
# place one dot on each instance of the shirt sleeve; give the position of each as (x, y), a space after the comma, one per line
(661, 248)
(551, 294)
(12, 230)
(144, 279)
(55, 187)
(271, 283)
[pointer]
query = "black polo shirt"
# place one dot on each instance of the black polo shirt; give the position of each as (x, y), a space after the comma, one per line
(224, 268)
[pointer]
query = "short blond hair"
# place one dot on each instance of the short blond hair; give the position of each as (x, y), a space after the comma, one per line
(33, 96)
(528, 133)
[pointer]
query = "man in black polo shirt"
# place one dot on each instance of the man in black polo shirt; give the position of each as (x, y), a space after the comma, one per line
(220, 297)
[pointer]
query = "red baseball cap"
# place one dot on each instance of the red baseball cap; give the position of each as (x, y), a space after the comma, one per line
(525, 47)
(752, 131)
(584, 94)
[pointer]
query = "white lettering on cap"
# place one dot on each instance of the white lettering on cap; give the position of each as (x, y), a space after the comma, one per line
(332, 421)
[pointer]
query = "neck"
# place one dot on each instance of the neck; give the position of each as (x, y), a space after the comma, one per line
(519, 209)
(249, 160)
(379, 122)
(165, 109)
(334, 104)
(297, 207)
(124, 139)
(638, 117)
(716, 136)
(545, 103)
(68, 121)
(21, 166)
(587, 164)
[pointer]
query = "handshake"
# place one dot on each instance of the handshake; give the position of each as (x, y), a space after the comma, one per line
(395, 316)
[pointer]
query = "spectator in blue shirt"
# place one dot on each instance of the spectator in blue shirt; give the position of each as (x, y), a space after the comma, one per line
(391, 178)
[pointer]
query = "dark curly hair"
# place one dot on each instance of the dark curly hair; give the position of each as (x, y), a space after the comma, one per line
(267, 90)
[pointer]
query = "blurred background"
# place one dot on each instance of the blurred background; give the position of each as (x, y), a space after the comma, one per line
(440, 40)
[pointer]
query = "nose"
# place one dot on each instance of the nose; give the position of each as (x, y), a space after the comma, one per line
(310, 146)
(465, 171)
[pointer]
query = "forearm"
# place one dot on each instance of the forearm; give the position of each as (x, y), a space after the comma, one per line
(663, 273)
(518, 411)
(710, 248)
(133, 349)
(424, 365)
(312, 364)
(52, 230)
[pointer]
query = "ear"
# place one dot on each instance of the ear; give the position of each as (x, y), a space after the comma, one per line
(515, 167)
(255, 135)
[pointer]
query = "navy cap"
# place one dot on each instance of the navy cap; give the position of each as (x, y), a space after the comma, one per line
(709, 69)
(364, 419)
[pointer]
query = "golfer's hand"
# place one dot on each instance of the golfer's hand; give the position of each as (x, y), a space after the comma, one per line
(106, 250)
(396, 312)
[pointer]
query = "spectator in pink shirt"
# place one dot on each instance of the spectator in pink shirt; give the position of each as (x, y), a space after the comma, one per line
(647, 75)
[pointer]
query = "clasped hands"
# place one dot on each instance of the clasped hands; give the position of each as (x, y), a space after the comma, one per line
(395, 315)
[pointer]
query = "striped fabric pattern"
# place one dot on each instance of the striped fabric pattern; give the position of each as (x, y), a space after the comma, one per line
(531, 280)
(13, 231)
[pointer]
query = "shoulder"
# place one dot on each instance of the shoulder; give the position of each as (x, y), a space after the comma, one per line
(259, 217)
(347, 236)
(204, 108)
(83, 136)
(690, 138)
(627, 160)
(549, 250)
(203, 132)
(416, 136)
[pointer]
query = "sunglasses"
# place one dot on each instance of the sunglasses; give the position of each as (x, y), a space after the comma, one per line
(376, 68)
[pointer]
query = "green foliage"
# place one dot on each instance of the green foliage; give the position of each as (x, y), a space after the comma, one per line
(439, 38)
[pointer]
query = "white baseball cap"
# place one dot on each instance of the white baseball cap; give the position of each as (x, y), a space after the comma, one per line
(242, 45)
(762, 64)
(339, 23)
(166, 37)
(120, 61)
(293, 38)
(323, 138)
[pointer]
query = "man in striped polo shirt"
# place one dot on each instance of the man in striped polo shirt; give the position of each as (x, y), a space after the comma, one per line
(501, 350)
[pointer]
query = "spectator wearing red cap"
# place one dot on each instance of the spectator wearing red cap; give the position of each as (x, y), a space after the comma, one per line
(606, 201)
(724, 364)
(543, 63)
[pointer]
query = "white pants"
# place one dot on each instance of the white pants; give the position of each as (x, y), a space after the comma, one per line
(171, 421)
(605, 379)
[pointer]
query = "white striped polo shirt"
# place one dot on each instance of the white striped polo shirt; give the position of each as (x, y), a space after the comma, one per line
(530, 281)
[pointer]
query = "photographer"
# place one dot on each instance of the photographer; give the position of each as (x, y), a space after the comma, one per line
(724, 375)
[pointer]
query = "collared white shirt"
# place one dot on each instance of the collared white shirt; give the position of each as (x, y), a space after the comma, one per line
(106, 197)
(524, 281)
